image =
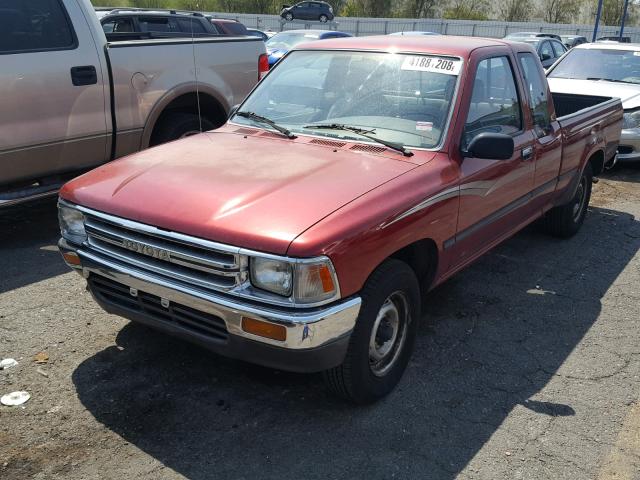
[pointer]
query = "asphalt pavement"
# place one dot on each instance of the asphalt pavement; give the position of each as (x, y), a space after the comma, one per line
(527, 366)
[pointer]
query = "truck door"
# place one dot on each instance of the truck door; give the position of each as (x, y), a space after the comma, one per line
(493, 193)
(547, 132)
(52, 118)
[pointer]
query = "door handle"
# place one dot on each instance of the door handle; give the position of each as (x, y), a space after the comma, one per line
(85, 75)
(527, 153)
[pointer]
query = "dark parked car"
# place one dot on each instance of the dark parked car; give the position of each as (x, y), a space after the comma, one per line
(315, 11)
(169, 23)
(259, 33)
(571, 41)
(548, 46)
(280, 44)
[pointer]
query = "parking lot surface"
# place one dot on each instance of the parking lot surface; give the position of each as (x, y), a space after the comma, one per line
(527, 366)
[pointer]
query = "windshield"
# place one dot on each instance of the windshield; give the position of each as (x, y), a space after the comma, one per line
(401, 98)
(614, 65)
(286, 41)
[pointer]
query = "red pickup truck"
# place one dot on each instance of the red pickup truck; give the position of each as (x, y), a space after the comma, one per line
(359, 174)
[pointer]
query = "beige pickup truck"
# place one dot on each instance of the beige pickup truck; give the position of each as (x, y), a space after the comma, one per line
(71, 100)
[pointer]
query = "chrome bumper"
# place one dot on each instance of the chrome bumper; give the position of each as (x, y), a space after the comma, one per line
(306, 329)
(629, 148)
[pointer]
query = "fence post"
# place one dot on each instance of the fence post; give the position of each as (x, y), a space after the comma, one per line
(446, 27)
(473, 30)
(506, 30)
(386, 26)
(357, 28)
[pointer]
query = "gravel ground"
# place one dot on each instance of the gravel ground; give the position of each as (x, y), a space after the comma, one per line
(526, 366)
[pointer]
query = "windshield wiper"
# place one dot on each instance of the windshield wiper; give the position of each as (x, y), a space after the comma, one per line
(259, 118)
(364, 133)
(609, 80)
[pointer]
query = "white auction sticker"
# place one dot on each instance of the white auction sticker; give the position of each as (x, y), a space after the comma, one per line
(446, 65)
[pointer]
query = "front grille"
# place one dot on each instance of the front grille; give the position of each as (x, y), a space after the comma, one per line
(625, 149)
(151, 249)
(119, 295)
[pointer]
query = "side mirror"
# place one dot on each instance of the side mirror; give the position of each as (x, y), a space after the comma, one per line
(545, 56)
(492, 146)
(233, 110)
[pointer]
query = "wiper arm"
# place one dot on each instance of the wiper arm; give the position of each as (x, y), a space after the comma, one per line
(364, 133)
(259, 118)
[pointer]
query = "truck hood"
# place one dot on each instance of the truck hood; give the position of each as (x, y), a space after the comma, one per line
(628, 93)
(248, 191)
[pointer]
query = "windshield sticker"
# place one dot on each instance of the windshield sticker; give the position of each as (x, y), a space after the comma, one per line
(448, 66)
(424, 126)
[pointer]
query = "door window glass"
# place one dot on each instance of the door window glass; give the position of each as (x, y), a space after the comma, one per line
(34, 26)
(546, 52)
(494, 102)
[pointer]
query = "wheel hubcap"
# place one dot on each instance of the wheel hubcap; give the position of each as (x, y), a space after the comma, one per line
(581, 196)
(388, 333)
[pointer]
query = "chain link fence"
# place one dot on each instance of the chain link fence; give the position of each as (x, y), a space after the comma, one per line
(381, 26)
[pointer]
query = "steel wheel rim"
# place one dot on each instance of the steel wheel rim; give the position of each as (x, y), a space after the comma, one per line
(388, 334)
(288, 16)
(323, 18)
(581, 196)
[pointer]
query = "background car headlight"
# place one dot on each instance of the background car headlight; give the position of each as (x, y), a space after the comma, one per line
(631, 120)
(71, 224)
(304, 282)
(272, 275)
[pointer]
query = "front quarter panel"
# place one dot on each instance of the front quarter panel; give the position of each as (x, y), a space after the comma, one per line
(421, 204)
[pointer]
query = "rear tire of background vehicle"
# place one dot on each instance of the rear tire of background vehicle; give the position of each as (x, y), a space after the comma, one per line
(178, 125)
(565, 221)
(383, 338)
(323, 18)
(288, 17)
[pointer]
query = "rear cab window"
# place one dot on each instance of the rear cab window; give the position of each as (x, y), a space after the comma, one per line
(536, 87)
(33, 26)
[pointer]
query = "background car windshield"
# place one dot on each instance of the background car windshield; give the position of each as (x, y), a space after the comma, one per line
(286, 41)
(378, 91)
(620, 65)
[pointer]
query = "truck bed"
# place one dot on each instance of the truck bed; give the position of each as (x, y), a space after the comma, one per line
(584, 118)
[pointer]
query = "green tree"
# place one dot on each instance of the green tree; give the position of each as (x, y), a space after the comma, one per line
(467, 10)
(560, 11)
(515, 10)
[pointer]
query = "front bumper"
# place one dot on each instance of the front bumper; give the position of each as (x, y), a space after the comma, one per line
(317, 339)
(629, 147)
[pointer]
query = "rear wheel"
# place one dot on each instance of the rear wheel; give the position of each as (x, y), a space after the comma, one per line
(288, 17)
(383, 338)
(565, 220)
(179, 125)
(324, 18)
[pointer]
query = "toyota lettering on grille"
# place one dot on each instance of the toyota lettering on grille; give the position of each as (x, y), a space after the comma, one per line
(148, 250)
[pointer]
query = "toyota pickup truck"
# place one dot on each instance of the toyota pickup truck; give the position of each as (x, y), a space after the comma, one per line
(358, 174)
(72, 101)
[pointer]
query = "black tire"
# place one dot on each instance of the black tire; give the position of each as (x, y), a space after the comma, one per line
(288, 17)
(323, 18)
(565, 220)
(178, 125)
(358, 379)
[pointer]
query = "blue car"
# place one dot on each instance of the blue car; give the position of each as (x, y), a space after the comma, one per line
(280, 44)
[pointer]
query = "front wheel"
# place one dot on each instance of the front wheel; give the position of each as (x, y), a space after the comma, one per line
(323, 18)
(383, 338)
(288, 17)
(565, 220)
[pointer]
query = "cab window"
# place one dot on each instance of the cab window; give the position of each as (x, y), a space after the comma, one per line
(495, 106)
(536, 86)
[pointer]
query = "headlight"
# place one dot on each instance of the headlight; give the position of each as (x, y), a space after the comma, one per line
(272, 275)
(631, 120)
(71, 224)
(304, 282)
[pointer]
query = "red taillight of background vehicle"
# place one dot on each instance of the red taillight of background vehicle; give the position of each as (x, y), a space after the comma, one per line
(263, 66)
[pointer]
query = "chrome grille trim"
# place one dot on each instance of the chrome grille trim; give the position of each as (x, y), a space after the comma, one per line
(186, 259)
